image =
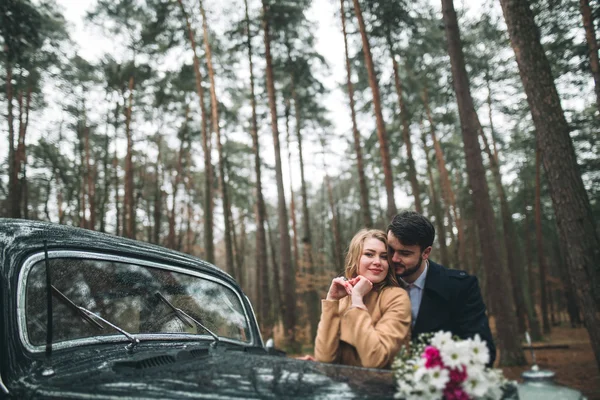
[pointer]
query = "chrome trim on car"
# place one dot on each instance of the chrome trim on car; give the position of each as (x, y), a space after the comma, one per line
(255, 321)
(3, 387)
(90, 255)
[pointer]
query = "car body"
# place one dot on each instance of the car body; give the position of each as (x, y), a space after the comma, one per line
(162, 301)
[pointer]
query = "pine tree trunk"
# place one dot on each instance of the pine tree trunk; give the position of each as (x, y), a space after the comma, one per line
(129, 220)
(90, 182)
(534, 322)
(590, 36)
(576, 223)
(404, 117)
(289, 314)
(337, 240)
(229, 261)
(510, 245)
(262, 287)
(362, 181)
(313, 302)
(508, 338)
(115, 165)
(296, 262)
(14, 209)
(447, 192)
(106, 176)
(381, 132)
(240, 251)
(81, 127)
(276, 307)
(435, 204)
(209, 247)
(540, 243)
(171, 238)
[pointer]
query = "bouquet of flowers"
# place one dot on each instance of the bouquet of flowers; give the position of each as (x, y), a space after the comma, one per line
(440, 367)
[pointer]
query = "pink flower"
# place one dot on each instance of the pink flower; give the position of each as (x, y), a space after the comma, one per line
(432, 357)
(458, 375)
(455, 393)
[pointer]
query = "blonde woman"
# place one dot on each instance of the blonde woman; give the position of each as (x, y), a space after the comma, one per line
(366, 316)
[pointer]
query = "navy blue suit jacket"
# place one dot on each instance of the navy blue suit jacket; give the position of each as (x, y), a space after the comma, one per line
(452, 302)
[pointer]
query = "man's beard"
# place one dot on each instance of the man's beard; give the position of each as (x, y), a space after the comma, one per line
(411, 270)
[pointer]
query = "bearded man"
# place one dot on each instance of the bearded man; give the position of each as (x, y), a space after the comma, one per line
(442, 299)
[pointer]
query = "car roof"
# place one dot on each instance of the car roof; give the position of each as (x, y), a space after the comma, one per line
(19, 237)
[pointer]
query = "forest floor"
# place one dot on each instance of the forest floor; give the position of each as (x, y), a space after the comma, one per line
(574, 366)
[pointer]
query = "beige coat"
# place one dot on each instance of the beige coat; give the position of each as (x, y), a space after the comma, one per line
(353, 336)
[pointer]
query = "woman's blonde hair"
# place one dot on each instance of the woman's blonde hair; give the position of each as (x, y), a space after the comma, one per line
(354, 254)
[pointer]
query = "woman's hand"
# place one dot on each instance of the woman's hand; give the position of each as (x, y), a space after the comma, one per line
(306, 358)
(339, 289)
(362, 286)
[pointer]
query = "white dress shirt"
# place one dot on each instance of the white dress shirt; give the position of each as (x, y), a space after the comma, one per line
(415, 292)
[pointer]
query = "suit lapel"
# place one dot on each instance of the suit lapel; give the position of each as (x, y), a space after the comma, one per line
(432, 310)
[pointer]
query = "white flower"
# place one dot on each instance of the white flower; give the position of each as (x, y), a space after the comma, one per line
(480, 354)
(455, 354)
(438, 377)
(440, 339)
(476, 384)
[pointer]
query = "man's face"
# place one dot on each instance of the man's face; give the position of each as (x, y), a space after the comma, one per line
(406, 260)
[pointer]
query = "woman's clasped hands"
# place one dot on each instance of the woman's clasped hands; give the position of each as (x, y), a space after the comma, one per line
(356, 287)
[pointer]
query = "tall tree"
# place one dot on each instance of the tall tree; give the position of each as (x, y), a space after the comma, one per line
(435, 204)
(592, 41)
(262, 289)
(289, 290)
(574, 216)
(542, 267)
(229, 261)
(209, 246)
(381, 131)
(362, 181)
(508, 339)
(447, 191)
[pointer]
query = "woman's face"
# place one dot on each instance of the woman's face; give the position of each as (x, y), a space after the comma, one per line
(373, 262)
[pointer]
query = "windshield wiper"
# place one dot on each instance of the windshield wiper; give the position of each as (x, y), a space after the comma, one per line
(89, 316)
(180, 314)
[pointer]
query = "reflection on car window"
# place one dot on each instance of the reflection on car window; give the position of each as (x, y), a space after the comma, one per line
(125, 294)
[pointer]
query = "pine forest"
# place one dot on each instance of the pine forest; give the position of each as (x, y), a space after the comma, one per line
(261, 135)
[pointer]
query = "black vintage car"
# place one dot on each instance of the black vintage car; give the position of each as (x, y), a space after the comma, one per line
(94, 316)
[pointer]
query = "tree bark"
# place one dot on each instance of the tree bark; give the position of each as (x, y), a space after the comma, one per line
(289, 292)
(576, 223)
(362, 181)
(115, 164)
(171, 238)
(404, 117)
(435, 204)
(209, 247)
(106, 175)
(590, 36)
(337, 239)
(447, 192)
(534, 322)
(90, 176)
(381, 131)
(510, 245)
(540, 243)
(508, 339)
(129, 220)
(299, 266)
(277, 307)
(158, 198)
(14, 209)
(262, 287)
(216, 129)
(311, 297)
